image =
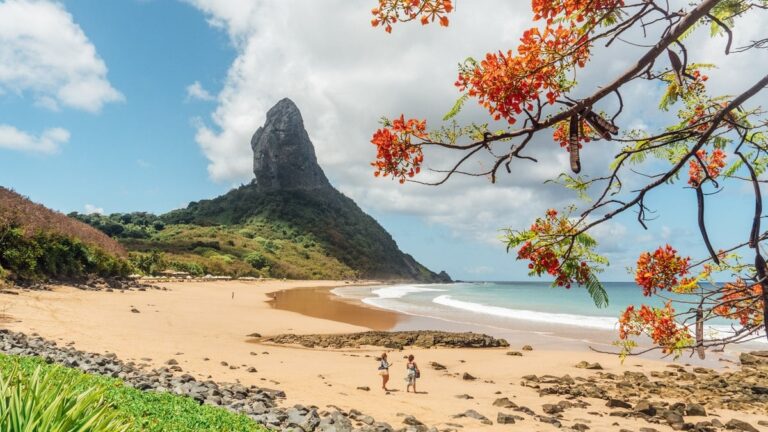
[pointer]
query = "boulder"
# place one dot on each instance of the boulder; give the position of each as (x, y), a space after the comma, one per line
(616, 403)
(740, 425)
(695, 409)
(504, 403)
(502, 418)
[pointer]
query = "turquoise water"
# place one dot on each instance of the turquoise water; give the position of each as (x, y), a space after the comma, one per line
(509, 306)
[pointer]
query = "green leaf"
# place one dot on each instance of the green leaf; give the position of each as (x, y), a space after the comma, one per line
(734, 167)
(578, 184)
(597, 291)
(456, 107)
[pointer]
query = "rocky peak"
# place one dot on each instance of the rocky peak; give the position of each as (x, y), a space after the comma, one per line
(283, 156)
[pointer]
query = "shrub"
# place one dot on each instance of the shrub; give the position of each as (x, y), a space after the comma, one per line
(43, 402)
(148, 263)
(256, 260)
(142, 411)
(50, 255)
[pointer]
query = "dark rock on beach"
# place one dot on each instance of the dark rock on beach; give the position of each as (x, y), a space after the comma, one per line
(504, 403)
(502, 418)
(393, 340)
(740, 425)
(436, 366)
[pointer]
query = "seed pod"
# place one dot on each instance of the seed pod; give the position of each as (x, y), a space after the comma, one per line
(573, 143)
(700, 332)
(677, 66)
(601, 126)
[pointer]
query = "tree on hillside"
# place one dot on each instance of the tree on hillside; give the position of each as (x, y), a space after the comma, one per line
(718, 139)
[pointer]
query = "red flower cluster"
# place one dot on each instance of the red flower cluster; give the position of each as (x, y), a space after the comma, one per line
(543, 259)
(505, 84)
(697, 85)
(392, 11)
(741, 302)
(573, 10)
(396, 154)
(660, 270)
(714, 162)
(657, 323)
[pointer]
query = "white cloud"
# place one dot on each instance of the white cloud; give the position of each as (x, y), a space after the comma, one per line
(196, 91)
(92, 209)
(48, 142)
(43, 52)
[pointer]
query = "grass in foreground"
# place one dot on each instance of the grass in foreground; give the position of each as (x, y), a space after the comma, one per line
(107, 400)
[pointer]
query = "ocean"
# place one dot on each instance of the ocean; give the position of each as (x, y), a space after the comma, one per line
(514, 309)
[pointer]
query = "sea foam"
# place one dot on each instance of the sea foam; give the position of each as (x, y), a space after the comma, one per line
(400, 291)
(603, 323)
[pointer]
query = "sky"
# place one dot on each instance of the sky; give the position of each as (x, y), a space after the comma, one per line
(146, 105)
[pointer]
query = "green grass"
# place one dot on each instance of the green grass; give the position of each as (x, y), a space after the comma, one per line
(142, 411)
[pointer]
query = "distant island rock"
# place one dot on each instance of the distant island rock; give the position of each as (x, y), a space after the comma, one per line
(283, 156)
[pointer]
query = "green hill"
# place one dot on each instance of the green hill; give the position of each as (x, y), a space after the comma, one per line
(324, 217)
(250, 232)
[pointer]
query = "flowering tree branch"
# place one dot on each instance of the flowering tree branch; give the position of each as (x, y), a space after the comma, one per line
(532, 85)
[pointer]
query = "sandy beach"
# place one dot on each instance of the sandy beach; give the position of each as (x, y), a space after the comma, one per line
(205, 325)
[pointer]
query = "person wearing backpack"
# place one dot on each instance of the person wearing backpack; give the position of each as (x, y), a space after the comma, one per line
(384, 371)
(413, 374)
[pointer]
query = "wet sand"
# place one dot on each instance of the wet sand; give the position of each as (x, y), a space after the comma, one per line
(319, 302)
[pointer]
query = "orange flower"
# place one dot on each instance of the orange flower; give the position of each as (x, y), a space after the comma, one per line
(544, 259)
(657, 323)
(507, 83)
(397, 155)
(741, 302)
(660, 270)
(392, 11)
(714, 164)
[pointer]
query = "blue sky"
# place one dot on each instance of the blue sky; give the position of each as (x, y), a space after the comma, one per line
(138, 154)
(140, 141)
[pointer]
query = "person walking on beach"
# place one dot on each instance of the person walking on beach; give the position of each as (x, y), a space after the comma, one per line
(413, 374)
(384, 371)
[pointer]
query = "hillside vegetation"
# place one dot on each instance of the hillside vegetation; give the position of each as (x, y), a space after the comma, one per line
(257, 248)
(318, 234)
(323, 214)
(37, 243)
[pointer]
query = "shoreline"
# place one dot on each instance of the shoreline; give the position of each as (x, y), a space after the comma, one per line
(324, 303)
(204, 328)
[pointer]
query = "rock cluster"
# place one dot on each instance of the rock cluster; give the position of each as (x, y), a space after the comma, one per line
(260, 404)
(646, 397)
(393, 340)
(90, 283)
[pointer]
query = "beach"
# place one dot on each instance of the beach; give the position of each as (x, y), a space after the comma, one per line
(214, 330)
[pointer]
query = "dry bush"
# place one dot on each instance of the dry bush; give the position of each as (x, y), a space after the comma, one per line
(19, 211)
